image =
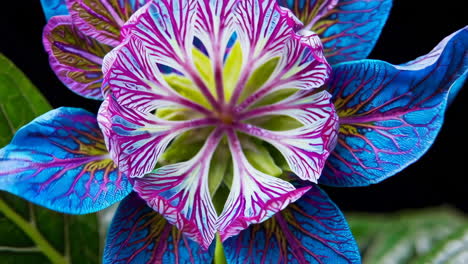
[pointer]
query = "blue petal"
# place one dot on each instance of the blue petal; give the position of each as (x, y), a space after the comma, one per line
(54, 8)
(350, 30)
(60, 161)
(140, 235)
(312, 230)
(390, 115)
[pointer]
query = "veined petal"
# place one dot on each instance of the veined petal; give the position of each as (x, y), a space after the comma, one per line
(103, 19)
(180, 193)
(215, 25)
(390, 115)
(166, 31)
(135, 139)
(54, 8)
(350, 30)
(312, 230)
(138, 234)
(305, 148)
(430, 58)
(59, 161)
(262, 29)
(137, 83)
(214, 29)
(75, 58)
(301, 66)
(254, 196)
(166, 28)
(309, 11)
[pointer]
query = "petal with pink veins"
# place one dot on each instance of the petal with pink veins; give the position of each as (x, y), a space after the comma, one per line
(135, 139)
(180, 193)
(305, 148)
(103, 19)
(254, 196)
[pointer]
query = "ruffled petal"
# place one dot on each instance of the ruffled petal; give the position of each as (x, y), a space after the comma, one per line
(136, 81)
(103, 19)
(390, 115)
(305, 148)
(166, 29)
(54, 8)
(180, 193)
(312, 230)
(135, 139)
(75, 58)
(300, 66)
(350, 30)
(138, 234)
(254, 196)
(59, 161)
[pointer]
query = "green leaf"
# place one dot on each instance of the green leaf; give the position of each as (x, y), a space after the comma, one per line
(20, 101)
(404, 236)
(29, 233)
(453, 249)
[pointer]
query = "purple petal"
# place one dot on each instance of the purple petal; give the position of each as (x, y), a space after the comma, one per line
(138, 234)
(180, 193)
(166, 31)
(390, 115)
(254, 196)
(75, 58)
(103, 19)
(350, 30)
(135, 139)
(301, 66)
(59, 161)
(305, 148)
(214, 28)
(263, 28)
(312, 230)
(136, 81)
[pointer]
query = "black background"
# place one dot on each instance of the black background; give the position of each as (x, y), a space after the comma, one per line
(413, 29)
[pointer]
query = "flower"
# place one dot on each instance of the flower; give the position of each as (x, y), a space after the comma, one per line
(388, 117)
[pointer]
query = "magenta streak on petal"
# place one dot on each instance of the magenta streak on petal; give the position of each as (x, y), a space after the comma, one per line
(165, 29)
(254, 196)
(180, 193)
(112, 12)
(136, 81)
(195, 77)
(326, 6)
(303, 147)
(301, 55)
(305, 106)
(90, 30)
(136, 140)
(93, 13)
(68, 48)
(262, 28)
(214, 27)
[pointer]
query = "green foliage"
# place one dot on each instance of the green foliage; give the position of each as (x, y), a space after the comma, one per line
(425, 236)
(20, 101)
(29, 233)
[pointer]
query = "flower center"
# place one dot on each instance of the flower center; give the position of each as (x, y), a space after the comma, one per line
(226, 118)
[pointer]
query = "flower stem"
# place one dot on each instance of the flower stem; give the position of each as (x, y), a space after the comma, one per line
(219, 257)
(30, 230)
